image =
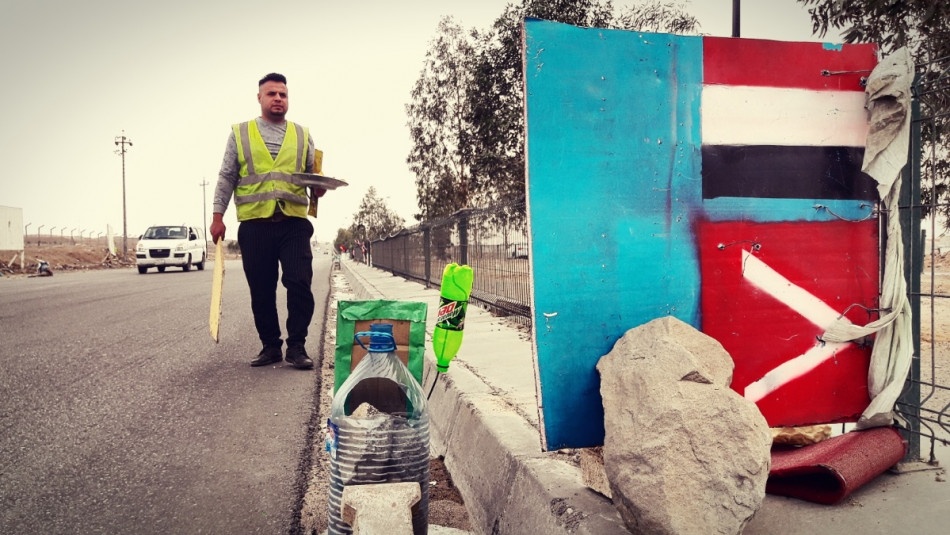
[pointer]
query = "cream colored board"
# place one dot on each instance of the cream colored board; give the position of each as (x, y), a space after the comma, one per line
(217, 285)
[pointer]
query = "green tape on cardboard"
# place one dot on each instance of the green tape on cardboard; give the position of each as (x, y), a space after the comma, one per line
(350, 312)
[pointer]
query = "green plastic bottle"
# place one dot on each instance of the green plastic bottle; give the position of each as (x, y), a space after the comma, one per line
(447, 335)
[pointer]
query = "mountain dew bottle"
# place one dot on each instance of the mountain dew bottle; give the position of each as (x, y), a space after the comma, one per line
(447, 336)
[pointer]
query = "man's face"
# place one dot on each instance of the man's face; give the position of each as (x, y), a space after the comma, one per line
(274, 101)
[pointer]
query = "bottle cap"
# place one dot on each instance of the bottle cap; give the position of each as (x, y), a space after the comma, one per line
(380, 338)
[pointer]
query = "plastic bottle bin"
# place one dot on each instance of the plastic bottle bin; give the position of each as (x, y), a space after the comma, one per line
(378, 430)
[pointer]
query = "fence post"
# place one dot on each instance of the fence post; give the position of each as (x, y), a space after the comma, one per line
(391, 255)
(405, 255)
(913, 266)
(427, 255)
(463, 236)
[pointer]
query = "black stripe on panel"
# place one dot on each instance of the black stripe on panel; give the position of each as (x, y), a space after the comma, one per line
(786, 172)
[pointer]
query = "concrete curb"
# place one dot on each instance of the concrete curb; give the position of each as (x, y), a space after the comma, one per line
(483, 421)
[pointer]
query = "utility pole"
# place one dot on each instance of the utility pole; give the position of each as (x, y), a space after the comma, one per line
(735, 18)
(204, 206)
(121, 142)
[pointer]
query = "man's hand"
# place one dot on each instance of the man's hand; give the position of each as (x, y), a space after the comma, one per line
(217, 227)
(317, 192)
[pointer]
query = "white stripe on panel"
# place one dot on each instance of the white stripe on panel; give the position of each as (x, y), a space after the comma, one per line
(747, 115)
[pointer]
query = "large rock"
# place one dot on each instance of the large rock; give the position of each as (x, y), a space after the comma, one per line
(683, 452)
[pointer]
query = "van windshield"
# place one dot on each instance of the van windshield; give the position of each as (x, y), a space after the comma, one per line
(162, 233)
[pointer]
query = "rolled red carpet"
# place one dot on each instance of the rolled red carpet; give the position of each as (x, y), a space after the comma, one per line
(830, 470)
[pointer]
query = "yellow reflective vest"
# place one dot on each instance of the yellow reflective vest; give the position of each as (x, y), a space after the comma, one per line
(265, 181)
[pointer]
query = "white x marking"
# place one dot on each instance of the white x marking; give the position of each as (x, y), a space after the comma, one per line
(808, 306)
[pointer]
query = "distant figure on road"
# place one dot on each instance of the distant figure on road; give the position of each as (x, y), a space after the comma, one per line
(259, 160)
(43, 269)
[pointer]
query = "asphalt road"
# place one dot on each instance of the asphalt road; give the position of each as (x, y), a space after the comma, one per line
(119, 414)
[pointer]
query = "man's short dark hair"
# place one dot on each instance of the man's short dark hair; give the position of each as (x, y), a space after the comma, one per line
(273, 77)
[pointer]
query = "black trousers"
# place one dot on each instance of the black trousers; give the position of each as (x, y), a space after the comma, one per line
(265, 244)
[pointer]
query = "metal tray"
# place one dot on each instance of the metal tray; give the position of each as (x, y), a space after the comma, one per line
(320, 181)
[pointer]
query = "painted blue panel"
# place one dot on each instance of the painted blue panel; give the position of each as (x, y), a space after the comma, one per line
(613, 171)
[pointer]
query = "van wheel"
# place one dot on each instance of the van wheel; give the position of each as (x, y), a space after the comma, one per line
(161, 269)
(201, 265)
(142, 270)
(187, 266)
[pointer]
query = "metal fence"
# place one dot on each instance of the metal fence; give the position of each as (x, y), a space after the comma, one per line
(925, 402)
(46, 240)
(493, 242)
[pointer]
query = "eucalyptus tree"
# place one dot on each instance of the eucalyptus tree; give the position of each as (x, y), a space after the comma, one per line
(374, 218)
(466, 114)
(439, 125)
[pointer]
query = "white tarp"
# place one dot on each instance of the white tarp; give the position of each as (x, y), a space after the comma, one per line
(885, 155)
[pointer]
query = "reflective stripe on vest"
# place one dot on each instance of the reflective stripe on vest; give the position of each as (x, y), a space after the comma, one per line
(266, 181)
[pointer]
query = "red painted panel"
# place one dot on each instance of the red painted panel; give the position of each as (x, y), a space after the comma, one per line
(830, 261)
(759, 62)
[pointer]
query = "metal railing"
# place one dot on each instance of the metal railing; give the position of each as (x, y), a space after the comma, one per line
(492, 241)
(925, 401)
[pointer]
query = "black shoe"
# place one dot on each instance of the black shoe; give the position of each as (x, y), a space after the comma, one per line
(268, 355)
(297, 355)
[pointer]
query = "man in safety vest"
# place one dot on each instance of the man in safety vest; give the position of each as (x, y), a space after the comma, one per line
(260, 160)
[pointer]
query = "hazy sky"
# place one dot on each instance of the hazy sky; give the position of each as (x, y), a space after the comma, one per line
(174, 75)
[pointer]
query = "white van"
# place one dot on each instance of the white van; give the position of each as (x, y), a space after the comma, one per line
(170, 245)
